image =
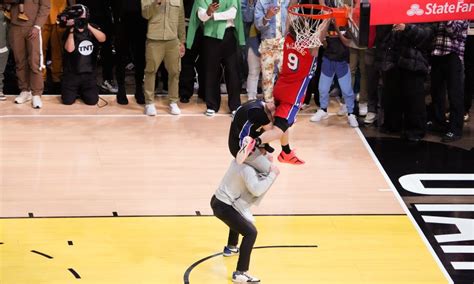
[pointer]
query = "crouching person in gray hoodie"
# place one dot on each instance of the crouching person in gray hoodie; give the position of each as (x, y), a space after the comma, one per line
(243, 186)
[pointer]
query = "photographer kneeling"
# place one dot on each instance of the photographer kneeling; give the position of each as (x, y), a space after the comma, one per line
(80, 57)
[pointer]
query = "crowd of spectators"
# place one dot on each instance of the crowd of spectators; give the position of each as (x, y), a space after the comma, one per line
(412, 78)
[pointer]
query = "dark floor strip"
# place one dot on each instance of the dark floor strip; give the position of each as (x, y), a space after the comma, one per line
(42, 254)
(74, 273)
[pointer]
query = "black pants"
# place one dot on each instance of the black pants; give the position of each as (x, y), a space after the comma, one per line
(238, 225)
(469, 73)
(83, 86)
(404, 102)
(189, 63)
(106, 50)
(313, 88)
(447, 75)
(373, 76)
(215, 52)
(130, 39)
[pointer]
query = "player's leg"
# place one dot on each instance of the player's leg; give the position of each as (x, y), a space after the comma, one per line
(286, 155)
(232, 241)
(325, 82)
(344, 78)
(240, 225)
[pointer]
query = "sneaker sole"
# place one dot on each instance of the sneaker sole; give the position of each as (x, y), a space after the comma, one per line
(244, 152)
(20, 102)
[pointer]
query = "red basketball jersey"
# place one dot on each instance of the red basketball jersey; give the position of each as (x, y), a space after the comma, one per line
(295, 72)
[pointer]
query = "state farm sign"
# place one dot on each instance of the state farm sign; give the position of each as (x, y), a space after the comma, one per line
(419, 11)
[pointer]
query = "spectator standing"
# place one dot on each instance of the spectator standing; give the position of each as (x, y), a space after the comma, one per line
(130, 35)
(25, 41)
(3, 52)
(447, 75)
(52, 37)
(335, 62)
(405, 54)
(252, 39)
(190, 62)
(270, 20)
(165, 42)
(223, 33)
(373, 78)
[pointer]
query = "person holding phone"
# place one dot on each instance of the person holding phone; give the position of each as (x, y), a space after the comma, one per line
(223, 33)
(270, 20)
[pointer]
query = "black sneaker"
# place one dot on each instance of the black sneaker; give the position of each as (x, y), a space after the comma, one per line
(450, 137)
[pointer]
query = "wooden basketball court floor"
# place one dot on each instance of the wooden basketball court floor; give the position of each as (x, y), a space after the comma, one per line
(108, 195)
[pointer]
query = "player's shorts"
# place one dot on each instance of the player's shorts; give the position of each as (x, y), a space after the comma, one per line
(288, 101)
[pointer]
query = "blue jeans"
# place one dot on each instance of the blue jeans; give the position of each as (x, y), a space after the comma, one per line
(342, 71)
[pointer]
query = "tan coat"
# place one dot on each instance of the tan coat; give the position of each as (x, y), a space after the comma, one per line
(165, 21)
(36, 10)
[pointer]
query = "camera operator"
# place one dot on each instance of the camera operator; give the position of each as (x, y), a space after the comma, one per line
(80, 58)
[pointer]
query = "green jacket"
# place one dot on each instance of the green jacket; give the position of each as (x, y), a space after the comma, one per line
(215, 29)
(165, 21)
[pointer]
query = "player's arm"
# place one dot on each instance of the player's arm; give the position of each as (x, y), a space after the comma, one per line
(347, 42)
(257, 184)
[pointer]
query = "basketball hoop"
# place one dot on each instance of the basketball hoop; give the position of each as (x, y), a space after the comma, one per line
(305, 20)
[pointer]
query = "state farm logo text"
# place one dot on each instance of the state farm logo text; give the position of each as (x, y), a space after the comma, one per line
(440, 9)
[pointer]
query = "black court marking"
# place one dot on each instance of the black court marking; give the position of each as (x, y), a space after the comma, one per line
(74, 273)
(115, 214)
(187, 273)
(198, 213)
(69, 243)
(30, 215)
(400, 159)
(42, 254)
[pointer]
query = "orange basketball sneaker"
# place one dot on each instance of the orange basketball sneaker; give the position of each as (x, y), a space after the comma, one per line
(290, 158)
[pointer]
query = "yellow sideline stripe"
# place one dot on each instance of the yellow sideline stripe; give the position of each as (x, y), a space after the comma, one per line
(351, 249)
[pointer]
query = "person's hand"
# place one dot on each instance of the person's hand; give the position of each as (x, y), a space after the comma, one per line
(212, 8)
(272, 11)
(34, 33)
(275, 169)
(182, 50)
(271, 107)
(399, 27)
(250, 2)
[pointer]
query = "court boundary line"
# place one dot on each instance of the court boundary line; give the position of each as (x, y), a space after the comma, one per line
(404, 206)
(29, 116)
(188, 271)
(204, 215)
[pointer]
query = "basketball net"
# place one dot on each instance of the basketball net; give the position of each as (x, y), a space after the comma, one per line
(306, 21)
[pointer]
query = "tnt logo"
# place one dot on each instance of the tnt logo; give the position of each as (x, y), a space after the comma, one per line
(86, 48)
(415, 10)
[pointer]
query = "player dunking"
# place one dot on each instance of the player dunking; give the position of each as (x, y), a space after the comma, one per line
(297, 71)
(250, 119)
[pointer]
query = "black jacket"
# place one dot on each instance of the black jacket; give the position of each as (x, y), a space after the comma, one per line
(408, 49)
(122, 8)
